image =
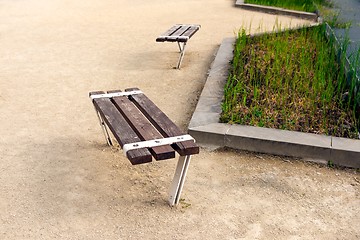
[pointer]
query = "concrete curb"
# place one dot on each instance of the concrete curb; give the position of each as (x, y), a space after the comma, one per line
(276, 10)
(206, 129)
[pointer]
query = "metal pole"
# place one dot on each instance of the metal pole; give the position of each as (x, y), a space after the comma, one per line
(179, 179)
(103, 126)
(182, 52)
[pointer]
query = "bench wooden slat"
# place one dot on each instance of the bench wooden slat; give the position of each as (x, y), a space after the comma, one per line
(191, 31)
(169, 32)
(177, 39)
(121, 130)
(163, 124)
(177, 35)
(181, 30)
(142, 127)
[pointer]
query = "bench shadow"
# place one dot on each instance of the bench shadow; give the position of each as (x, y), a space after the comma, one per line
(76, 176)
(153, 60)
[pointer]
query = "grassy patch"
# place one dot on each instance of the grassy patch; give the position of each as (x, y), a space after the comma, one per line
(300, 5)
(292, 80)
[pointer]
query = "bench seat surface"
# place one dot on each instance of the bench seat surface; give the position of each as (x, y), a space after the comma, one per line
(179, 33)
(136, 118)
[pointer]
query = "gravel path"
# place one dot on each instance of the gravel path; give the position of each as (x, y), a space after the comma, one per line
(58, 179)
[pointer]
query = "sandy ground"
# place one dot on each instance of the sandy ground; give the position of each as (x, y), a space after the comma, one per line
(58, 179)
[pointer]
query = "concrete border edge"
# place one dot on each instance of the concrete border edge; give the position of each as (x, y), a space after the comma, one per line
(276, 10)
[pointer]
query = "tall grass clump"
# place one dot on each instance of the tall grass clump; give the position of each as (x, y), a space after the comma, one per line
(300, 5)
(292, 80)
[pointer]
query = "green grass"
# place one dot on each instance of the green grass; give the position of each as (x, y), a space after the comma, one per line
(292, 80)
(300, 5)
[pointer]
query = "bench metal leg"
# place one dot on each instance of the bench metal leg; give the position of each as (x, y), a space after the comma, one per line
(179, 179)
(104, 128)
(182, 52)
(180, 47)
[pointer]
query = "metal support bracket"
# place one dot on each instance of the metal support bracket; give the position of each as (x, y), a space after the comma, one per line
(156, 142)
(116, 94)
(104, 128)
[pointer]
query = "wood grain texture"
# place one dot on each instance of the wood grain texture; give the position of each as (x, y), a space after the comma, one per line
(121, 130)
(163, 123)
(142, 127)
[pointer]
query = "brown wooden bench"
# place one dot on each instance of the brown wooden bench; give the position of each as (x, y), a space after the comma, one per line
(144, 132)
(179, 33)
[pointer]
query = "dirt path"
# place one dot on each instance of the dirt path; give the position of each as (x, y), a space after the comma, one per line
(58, 179)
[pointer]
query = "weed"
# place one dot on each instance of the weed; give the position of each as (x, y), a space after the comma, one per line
(293, 80)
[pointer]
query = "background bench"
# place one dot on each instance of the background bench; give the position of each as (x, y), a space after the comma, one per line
(144, 132)
(179, 33)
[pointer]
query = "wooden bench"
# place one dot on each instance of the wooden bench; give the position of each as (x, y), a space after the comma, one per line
(144, 131)
(179, 33)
